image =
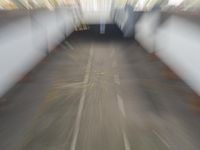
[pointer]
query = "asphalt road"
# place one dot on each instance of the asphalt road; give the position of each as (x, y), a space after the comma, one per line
(98, 94)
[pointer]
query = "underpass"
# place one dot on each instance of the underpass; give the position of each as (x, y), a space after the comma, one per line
(98, 91)
(99, 75)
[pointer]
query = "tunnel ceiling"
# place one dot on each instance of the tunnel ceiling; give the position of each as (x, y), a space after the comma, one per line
(103, 5)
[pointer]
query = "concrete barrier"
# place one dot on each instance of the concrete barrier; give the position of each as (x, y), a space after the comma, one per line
(26, 37)
(174, 38)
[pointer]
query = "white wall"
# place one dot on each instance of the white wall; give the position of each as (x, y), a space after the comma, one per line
(146, 30)
(178, 45)
(176, 42)
(25, 41)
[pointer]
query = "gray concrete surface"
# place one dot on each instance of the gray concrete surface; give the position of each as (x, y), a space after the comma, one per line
(98, 94)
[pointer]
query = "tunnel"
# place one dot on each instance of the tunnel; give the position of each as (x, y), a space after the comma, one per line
(118, 79)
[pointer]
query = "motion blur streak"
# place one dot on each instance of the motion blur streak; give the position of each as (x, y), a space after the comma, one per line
(99, 75)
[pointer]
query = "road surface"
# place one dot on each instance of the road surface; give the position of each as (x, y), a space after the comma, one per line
(98, 94)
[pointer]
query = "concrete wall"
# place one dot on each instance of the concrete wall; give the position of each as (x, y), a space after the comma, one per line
(26, 37)
(175, 39)
(146, 29)
(126, 19)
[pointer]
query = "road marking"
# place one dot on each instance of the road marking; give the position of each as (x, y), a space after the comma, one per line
(161, 139)
(82, 100)
(126, 141)
(69, 45)
(116, 79)
(121, 108)
(121, 105)
(69, 85)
